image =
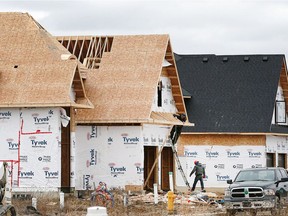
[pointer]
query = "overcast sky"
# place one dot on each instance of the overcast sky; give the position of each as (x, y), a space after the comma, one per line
(194, 26)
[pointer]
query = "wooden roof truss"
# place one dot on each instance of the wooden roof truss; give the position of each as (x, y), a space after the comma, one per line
(88, 49)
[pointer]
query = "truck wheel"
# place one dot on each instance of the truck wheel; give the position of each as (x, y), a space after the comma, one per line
(277, 209)
(230, 212)
(11, 212)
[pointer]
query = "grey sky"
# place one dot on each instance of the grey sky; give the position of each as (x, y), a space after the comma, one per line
(195, 26)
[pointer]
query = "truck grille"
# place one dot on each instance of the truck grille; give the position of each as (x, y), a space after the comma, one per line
(247, 192)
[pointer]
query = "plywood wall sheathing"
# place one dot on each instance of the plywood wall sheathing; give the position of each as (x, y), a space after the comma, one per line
(225, 140)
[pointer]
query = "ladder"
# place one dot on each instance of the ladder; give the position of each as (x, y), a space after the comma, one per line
(180, 166)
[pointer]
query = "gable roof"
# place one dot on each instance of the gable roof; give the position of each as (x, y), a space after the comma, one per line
(123, 75)
(35, 70)
(232, 93)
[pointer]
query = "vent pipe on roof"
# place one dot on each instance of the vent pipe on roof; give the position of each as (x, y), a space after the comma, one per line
(205, 59)
(246, 58)
(225, 59)
(265, 58)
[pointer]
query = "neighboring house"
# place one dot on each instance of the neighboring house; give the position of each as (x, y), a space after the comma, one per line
(133, 83)
(238, 104)
(40, 85)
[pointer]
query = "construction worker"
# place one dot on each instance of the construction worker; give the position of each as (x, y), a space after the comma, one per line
(199, 171)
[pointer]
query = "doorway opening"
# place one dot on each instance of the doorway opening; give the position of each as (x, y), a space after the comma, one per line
(149, 158)
(270, 160)
(167, 165)
(282, 160)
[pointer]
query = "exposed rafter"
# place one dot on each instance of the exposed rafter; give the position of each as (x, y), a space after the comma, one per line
(88, 50)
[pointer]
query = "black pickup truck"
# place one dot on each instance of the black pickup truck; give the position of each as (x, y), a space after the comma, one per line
(257, 189)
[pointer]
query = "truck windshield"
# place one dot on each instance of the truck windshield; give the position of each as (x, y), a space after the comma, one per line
(255, 175)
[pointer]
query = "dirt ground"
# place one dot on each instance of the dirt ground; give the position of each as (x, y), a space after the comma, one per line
(137, 204)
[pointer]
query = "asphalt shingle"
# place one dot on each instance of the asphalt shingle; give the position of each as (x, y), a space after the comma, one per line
(230, 93)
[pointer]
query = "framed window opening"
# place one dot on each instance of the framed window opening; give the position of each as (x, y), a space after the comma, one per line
(280, 112)
(159, 94)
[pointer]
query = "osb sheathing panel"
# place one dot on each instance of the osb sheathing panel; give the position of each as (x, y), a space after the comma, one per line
(165, 117)
(123, 88)
(31, 70)
(225, 140)
(23, 41)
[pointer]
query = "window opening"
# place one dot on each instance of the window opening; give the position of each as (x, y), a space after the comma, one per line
(280, 112)
(159, 94)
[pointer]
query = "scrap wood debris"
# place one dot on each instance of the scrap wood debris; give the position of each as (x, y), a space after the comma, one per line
(206, 198)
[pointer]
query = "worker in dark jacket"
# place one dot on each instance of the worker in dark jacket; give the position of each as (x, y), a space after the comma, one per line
(199, 171)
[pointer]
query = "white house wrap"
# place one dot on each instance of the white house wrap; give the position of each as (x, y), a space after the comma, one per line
(9, 139)
(110, 154)
(34, 147)
(221, 162)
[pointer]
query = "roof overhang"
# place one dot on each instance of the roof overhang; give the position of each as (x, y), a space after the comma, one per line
(158, 118)
(88, 106)
(167, 118)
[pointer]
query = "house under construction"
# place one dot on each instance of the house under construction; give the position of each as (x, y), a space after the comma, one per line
(133, 84)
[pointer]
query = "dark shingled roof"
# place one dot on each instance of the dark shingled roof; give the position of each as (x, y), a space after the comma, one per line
(231, 93)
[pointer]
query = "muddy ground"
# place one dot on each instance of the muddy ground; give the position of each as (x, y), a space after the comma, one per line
(137, 204)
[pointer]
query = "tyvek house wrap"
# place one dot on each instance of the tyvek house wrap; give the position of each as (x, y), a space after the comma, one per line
(9, 130)
(111, 154)
(38, 165)
(221, 162)
(168, 103)
(114, 154)
(277, 144)
(155, 135)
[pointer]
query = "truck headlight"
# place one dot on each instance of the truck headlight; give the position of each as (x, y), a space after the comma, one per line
(269, 192)
(227, 192)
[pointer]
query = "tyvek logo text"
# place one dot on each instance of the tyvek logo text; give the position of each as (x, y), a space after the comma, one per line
(5, 115)
(51, 175)
(26, 175)
(12, 145)
(131, 140)
(38, 144)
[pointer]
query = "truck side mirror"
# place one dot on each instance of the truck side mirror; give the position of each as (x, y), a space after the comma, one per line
(229, 181)
(284, 179)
